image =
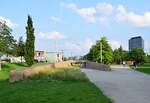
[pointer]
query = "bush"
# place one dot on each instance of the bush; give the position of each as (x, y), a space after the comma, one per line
(61, 75)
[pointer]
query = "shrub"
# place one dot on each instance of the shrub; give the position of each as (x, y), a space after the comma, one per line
(61, 75)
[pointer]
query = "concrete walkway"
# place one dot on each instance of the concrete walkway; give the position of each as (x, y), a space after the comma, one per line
(122, 85)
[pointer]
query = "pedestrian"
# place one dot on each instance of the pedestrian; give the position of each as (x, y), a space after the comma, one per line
(134, 64)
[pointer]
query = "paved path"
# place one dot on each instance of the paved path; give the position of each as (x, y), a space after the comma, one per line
(122, 85)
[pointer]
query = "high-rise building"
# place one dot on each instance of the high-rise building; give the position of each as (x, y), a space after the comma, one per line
(136, 42)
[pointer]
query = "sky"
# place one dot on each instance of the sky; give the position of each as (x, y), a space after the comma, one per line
(73, 26)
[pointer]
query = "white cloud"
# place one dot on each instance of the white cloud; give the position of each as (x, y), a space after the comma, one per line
(92, 14)
(133, 18)
(9, 23)
(89, 14)
(104, 8)
(51, 35)
(121, 15)
(55, 19)
(115, 44)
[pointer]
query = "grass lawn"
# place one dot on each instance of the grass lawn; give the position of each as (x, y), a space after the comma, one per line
(7, 67)
(145, 68)
(64, 86)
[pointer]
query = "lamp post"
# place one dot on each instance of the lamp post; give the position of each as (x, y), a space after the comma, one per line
(62, 55)
(0, 63)
(101, 52)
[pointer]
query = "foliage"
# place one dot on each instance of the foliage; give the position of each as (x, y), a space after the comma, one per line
(7, 41)
(126, 56)
(137, 55)
(29, 45)
(7, 67)
(118, 55)
(69, 74)
(95, 52)
(20, 48)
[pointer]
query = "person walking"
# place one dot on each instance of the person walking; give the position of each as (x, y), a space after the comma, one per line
(135, 65)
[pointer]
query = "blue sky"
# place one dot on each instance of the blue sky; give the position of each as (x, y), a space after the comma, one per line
(74, 25)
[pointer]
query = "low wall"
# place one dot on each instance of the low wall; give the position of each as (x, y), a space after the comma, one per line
(95, 65)
(17, 75)
(62, 64)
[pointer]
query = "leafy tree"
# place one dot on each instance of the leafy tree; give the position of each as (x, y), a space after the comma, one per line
(126, 56)
(95, 52)
(29, 45)
(118, 55)
(137, 55)
(21, 48)
(7, 41)
(92, 54)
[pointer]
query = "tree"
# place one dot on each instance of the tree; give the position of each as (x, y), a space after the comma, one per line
(7, 41)
(29, 45)
(21, 48)
(137, 55)
(103, 47)
(126, 56)
(118, 55)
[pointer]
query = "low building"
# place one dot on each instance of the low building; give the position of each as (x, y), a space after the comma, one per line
(39, 53)
(51, 57)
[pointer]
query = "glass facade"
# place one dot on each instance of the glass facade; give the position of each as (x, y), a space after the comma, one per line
(136, 42)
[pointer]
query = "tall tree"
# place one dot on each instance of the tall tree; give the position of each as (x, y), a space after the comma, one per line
(7, 41)
(107, 54)
(118, 55)
(101, 50)
(20, 48)
(29, 45)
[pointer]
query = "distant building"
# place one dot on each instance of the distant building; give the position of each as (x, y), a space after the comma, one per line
(51, 57)
(39, 53)
(136, 42)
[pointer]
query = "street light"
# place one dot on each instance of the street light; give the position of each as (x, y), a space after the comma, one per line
(101, 52)
(0, 61)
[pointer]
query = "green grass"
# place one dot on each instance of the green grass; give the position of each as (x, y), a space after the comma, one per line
(64, 86)
(7, 67)
(145, 68)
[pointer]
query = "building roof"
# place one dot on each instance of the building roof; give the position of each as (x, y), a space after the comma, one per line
(46, 51)
(136, 37)
(39, 51)
(54, 52)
